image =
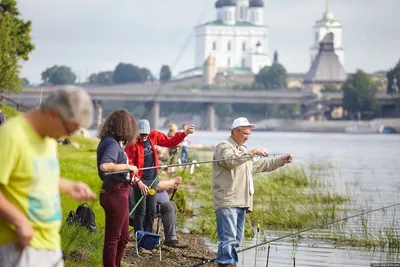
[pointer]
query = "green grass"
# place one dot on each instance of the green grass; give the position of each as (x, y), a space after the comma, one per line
(291, 198)
(81, 247)
(9, 111)
(286, 199)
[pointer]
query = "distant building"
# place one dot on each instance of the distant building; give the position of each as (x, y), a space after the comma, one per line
(326, 67)
(324, 26)
(236, 42)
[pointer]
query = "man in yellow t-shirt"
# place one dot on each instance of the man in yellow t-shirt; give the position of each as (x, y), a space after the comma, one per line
(30, 183)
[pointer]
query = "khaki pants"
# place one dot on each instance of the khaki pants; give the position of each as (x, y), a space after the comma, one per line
(29, 257)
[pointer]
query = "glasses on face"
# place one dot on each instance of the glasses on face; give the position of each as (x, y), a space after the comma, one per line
(67, 129)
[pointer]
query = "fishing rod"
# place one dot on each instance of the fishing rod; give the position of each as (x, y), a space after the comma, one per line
(302, 231)
(173, 193)
(151, 191)
(161, 87)
(188, 163)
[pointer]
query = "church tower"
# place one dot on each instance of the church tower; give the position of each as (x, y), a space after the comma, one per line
(324, 26)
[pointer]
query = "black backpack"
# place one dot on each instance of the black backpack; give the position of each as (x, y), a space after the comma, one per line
(84, 216)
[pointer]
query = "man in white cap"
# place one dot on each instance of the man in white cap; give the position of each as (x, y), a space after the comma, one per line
(233, 188)
(30, 183)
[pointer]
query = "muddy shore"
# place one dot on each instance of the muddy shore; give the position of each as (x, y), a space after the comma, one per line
(196, 252)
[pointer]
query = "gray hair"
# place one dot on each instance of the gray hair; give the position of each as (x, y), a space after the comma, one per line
(74, 105)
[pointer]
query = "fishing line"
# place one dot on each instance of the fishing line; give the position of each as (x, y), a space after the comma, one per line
(189, 163)
(302, 231)
(177, 59)
(188, 160)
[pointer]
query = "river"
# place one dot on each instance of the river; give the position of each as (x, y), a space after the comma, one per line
(366, 166)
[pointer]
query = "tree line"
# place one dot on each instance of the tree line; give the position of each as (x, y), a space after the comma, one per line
(16, 45)
(123, 73)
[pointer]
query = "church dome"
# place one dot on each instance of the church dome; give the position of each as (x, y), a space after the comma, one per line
(228, 2)
(218, 4)
(256, 3)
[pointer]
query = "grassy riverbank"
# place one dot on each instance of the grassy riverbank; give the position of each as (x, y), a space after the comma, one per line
(80, 247)
(285, 199)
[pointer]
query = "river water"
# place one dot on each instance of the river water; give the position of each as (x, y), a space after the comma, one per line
(365, 166)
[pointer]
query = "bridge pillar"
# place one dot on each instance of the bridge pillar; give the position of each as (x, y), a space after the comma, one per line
(152, 114)
(211, 117)
(98, 105)
(208, 117)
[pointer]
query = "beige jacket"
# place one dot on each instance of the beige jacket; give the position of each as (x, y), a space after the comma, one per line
(231, 178)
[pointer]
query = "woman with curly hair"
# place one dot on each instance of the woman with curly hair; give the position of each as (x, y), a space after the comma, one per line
(119, 130)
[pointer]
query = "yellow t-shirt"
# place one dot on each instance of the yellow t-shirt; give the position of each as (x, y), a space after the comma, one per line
(29, 177)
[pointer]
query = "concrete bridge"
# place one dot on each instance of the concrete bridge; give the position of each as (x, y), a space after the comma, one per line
(153, 95)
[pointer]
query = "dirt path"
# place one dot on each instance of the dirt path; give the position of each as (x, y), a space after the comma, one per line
(196, 252)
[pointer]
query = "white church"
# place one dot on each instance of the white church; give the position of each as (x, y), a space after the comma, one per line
(236, 42)
(234, 47)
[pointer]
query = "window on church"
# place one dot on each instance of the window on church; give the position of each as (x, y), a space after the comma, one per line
(244, 46)
(229, 62)
(242, 12)
(229, 46)
(316, 37)
(214, 46)
(243, 62)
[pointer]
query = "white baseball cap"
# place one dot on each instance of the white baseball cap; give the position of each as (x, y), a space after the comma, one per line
(242, 121)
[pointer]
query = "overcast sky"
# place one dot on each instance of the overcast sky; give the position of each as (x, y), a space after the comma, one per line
(95, 35)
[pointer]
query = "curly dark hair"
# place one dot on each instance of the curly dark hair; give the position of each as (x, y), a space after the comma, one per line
(121, 125)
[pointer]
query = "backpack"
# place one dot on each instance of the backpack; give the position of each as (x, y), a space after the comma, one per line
(84, 216)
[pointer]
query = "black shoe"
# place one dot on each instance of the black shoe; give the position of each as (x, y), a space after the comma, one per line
(174, 244)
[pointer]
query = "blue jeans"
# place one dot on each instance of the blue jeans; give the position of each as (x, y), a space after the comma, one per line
(184, 155)
(230, 228)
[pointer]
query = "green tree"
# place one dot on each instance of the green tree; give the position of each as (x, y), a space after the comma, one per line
(330, 87)
(128, 73)
(359, 93)
(165, 73)
(15, 45)
(391, 76)
(25, 82)
(58, 75)
(146, 75)
(274, 77)
(103, 77)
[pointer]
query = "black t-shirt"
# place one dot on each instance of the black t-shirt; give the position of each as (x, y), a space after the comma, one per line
(148, 162)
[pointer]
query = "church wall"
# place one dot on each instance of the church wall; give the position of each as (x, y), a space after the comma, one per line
(200, 46)
(222, 35)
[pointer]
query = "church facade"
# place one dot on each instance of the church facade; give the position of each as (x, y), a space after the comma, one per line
(237, 40)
